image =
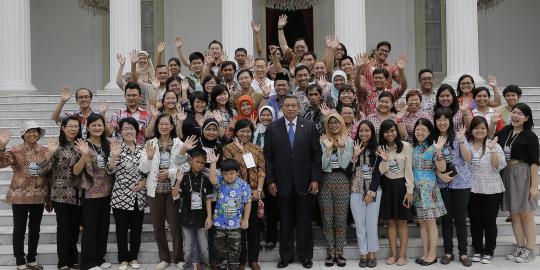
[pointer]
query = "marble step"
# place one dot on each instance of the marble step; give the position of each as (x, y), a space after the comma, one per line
(70, 105)
(6, 98)
(148, 254)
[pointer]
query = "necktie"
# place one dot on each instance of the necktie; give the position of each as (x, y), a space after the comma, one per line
(291, 133)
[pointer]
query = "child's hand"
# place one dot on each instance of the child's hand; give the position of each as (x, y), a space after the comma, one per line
(208, 223)
(176, 190)
(244, 224)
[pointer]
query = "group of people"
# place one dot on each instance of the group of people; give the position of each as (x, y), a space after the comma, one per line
(226, 152)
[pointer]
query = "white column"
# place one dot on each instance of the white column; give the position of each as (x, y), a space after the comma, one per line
(462, 41)
(236, 30)
(15, 49)
(124, 35)
(350, 24)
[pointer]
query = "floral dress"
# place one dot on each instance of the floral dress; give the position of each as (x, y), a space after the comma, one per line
(427, 200)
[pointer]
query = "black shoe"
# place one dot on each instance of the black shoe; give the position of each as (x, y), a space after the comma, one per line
(372, 263)
(418, 260)
(340, 261)
(447, 259)
(466, 261)
(362, 263)
(307, 264)
(282, 264)
(270, 245)
(425, 263)
(329, 261)
(509, 219)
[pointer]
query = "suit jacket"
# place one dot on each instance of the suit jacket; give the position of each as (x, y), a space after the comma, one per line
(294, 166)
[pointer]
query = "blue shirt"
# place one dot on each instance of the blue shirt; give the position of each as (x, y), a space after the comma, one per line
(231, 199)
(463, 179)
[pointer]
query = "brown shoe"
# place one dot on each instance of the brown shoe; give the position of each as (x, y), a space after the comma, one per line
(255, 266)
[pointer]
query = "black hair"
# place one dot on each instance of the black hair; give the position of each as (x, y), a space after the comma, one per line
(476, 121)
(132, 85)
(228, 63)
(424, 70)
(423, 122)
(240, 50)
(195, 56)
(197, 152)
(382, 71)
(384, 43)
(80, 89)
(314, 86)
(171, 121)
(172, 79)
(526, 110)
(243, 124)
(62, 140)
(344, 49)
(244, 71)
(163, 99)
(455, 103)
(161, 66)
(463, 77)
(289, 96)
(230, 164)
(176, 60)
(215, 42)
(372, 143)
(216, 91)
(105, 144)
(413, 92)
(479, 89)
(450, 133)
(130, 121)
(200, 95)
(387, 94)
(385, 126)
(310, 53)
(345, 58)
(300, 39)
(512, 89)
(299, 68)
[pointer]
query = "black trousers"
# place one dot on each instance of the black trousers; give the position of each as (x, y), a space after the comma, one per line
(483, 211)
(295, 223)
(96, 219)
(128, 222)
(67, 227)
(250, 252)
(456, 202)
(271, 212)
(23, 213)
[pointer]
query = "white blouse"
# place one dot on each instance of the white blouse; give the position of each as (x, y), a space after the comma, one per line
(485, 178)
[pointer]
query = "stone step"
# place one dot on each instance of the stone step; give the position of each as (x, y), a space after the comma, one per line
(70, 105)
(29, 97)
(44, 112)
(148, 254)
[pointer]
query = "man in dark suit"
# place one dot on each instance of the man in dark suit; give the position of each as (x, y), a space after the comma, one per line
(293, 170)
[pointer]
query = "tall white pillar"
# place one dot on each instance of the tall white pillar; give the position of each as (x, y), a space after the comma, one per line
(124, 35)
(236, 31)
(350, 24)
(462, 41)
(15, 49)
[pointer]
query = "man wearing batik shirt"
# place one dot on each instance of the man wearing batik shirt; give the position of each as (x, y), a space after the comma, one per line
(282, 87)
(368, 94)
(380, 61)
(425, 77)
(302, 78)
(132, 95)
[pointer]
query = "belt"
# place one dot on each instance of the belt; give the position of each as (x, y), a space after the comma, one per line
(513, 161)
(338, 170)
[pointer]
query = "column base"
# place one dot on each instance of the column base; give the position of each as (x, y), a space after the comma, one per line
(112, 86)
(453, 79)
(17, 86)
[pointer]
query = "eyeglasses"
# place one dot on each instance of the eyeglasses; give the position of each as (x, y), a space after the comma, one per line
(333, 123)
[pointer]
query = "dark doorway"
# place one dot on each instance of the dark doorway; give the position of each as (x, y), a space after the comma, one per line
(299, 24)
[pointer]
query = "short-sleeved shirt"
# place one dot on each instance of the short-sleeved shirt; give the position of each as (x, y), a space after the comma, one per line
(428, 102)
(82, 119)
(523, 147)
(198, 184)
(230, 203)
(372, 65)
(368, 96)
(139, 114)
(410, 119)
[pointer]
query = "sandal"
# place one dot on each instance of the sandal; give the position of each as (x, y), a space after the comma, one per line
(329, 262)
(340, 261)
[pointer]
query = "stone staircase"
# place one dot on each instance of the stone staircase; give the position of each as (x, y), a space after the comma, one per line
(15, 109)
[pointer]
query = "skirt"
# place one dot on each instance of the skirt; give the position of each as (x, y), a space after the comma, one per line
(517, 182)
(428, 202)
(393, 193)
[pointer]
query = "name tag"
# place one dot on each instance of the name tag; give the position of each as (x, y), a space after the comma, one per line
(196, 201)
(393, 166)
(33, 169)
(100, 162)
(366, 171)
(248, 159)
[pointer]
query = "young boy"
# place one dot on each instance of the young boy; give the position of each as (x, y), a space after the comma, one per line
(195, 190)
(233, 205)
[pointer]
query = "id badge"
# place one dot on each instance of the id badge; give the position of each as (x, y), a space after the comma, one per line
(366, 171)
(475, 158)
(507, 152)
(447, 155)
(393, 166)
(33, 169)
(83, 132)
(100, 161)
(130, 166)
(196, 201)
(164, 160)
(230, 209)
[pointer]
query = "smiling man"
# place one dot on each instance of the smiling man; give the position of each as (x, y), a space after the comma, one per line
(132, 96)
(380, 60)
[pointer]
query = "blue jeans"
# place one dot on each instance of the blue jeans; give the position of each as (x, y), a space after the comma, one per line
(366, 219)
(195, 237)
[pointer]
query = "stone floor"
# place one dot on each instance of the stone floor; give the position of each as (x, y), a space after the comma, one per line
(498, 263)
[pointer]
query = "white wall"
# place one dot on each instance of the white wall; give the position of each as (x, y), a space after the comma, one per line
(66, 46)
(509, 35)
(197, 22)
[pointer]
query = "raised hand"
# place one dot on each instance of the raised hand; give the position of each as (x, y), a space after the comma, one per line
(402, 61)
(250, 61)
(238, 144)
(178, 42)
(334, 43)
(400, 105)
(439, 144)
(161, 47)
(326, 142)
(282, 21)
(491, 145)
(155, 83)
(465, 106)
(154, 112)
(52, 144)
(265, 89)
(103, 107)
(185, 85)
(134, 56)
(328, 40)
(150, 150)
(343, 138)
(325, 111)
(256, 27)
(496, 117)
(358, 148)
(115, 149)
(200, 119)
(253, 119)
(361, 59)
(121, 59)
(208, 58)
(82, 146)
(181, 115)
(223, 57)
(321, 81)
(218, 116)
(383, 153)
(4, 138)
(460, 135)
(212, 156)
(190, 143)
(492, 81)
(65, 94)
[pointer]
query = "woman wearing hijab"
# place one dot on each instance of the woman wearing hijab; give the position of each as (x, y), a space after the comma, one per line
(266, 115)
(339, 79)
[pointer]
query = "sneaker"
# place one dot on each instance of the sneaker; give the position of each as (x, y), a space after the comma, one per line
(162, 265)
(476, 257)
(63, 268)
(123, 266)
(34, 266)
(95, 268)
(526, 256)
(180, 265)
(105, 265)
(21, 267)
(487, 259)
(75, 266)
(134, 264)
(512, 256)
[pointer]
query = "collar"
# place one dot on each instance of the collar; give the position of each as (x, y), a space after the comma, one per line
(138, 109)
(293, 121)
